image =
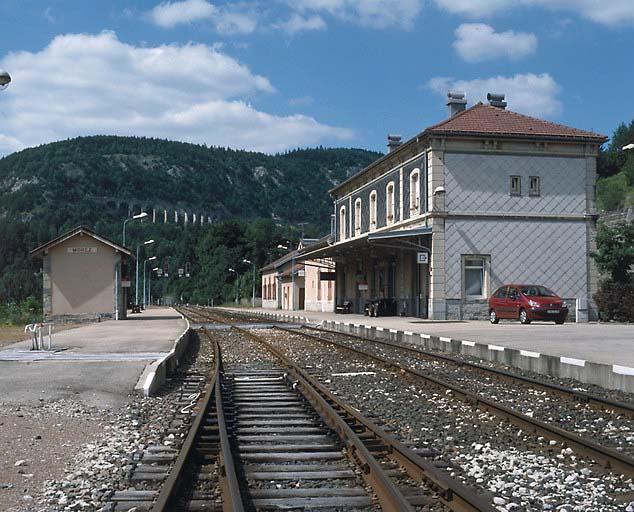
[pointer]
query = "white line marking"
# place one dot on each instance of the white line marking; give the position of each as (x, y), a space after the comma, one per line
(351, 374)
(572, 360)
(622, 370)
(496, 347)
(528, 353)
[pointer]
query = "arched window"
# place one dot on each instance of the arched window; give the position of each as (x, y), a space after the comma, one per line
(342, 223)
(373, 210)
(389, 202)
(414, 191)
(357, 217)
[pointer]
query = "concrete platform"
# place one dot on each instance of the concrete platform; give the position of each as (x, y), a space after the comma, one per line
(598, 353)
(98, 364)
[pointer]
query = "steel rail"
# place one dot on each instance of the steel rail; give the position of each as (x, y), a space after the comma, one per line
(388, 494)
(608, 457)
(581, 396)
(232, 501)
(457, 496)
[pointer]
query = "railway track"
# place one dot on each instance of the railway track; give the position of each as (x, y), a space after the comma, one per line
(574, 395)
(282, 425)
(607, 457)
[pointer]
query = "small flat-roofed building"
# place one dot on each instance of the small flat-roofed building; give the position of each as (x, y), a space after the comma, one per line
(84, 275)
(290, 284)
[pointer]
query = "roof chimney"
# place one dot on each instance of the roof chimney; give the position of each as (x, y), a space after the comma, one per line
(456, 102)
(496, 100)
(393, 141)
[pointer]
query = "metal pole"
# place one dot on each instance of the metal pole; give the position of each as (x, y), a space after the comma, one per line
(144, 301)
(237, 286)
(116, 292)
(253, 299)
(124, 223)
(149, 286)
(293, 282)
(136, 298)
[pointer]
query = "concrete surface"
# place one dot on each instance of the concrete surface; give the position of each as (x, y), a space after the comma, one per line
(98, 364)
(595, 342)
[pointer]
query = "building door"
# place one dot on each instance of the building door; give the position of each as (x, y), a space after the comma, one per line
(302, 297)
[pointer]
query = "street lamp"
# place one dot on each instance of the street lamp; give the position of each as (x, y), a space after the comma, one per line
(148, 242)
(149, 284)
(141, 215)
(237, 276)
(144, 299)
(5, 80)
(253, 296)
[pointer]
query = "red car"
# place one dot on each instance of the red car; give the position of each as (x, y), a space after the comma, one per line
(526, 302)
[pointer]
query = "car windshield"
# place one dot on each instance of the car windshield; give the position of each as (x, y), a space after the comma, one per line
(537, 291)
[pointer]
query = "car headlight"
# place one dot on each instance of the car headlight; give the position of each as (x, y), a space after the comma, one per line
(533, 304)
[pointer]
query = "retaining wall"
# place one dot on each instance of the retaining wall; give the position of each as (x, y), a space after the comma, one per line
(155, 375)
(604, 375)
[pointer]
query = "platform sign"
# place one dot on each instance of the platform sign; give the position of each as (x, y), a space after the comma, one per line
(82, 250)
(422, 258)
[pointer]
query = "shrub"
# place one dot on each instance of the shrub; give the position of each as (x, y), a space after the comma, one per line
(616, 301)
(26, 312)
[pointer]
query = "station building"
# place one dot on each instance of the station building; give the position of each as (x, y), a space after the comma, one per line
(291, 283)
(484, 198)
(84, 276)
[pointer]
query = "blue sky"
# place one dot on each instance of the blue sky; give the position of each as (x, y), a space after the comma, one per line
(280, 74)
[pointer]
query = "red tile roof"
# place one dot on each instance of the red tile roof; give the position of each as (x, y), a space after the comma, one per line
(481, 119)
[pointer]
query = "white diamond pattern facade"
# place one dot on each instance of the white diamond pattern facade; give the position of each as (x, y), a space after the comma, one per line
(551, 253)
(480, 182)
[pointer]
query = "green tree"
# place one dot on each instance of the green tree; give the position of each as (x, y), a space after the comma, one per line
(615, 251)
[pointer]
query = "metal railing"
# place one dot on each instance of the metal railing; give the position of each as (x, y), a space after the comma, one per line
(37, 335)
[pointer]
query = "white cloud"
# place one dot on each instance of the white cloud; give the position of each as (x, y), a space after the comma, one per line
(170, 14)
(82, 84)
(229, 19)
(531, 94)
(476, 42)
(298, 23)
(612, 12)
(369, 13)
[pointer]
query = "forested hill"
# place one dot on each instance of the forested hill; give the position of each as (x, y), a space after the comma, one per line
(87, 178)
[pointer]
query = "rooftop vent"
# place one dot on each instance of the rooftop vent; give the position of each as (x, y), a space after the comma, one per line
(393, 141)
(456, 102)
(496, 100)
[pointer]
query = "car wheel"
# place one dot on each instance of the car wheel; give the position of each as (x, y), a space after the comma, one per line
(524, 317)
(559, 322)
(493, 317)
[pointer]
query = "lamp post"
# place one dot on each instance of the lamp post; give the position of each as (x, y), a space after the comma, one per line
(149, 284)
(144, 299)
(284, 248)
(237, 276)
(5, 80)
(148, 242)
(141, 215)
(253, 296)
